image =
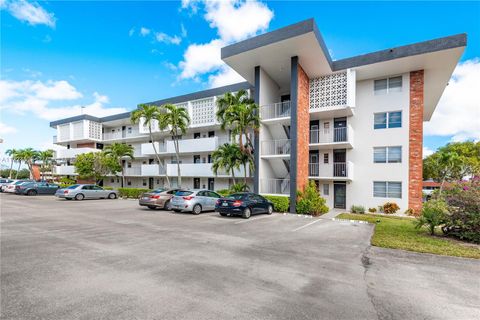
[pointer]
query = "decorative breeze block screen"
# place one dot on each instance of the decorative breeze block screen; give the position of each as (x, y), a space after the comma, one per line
(203, 111)
(328, 91)
(95, 130)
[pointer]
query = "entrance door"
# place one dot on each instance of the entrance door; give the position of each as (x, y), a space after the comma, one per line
(339, 195)
(196, 183)
(211, 184)
(150, 183)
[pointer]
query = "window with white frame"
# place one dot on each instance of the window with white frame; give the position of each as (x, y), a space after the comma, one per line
(387, 189)
(384, 86)
(383, 120)
(326, 189)
(325, 158)
(387, 154)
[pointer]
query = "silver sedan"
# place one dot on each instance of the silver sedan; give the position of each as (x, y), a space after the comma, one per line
(194, 201)
(85, 191)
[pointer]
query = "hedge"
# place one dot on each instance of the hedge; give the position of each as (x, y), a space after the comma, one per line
(280, 203)
(134, 193)
(224, 192)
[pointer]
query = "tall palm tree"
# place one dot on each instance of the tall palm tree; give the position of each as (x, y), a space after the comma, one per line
(227, 157)
(10, 153)
(149, 114)
(119, 151)
(246, 160)
(176, 120)
(45, 157)
(29, 156)
(17, 156)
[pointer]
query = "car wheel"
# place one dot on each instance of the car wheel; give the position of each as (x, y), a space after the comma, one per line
(112, 195)
(246, 213)
(31, 193)
(152, 207)
(197, 209)
(167, 205)
(269, 210)
(79, 197)
(223, 214)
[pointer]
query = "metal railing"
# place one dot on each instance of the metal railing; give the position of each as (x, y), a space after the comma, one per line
(276, 147)
(275, 186)
(340, 169)
(121, 134)
(313, 169)
(134, 171)
(329, 135)
(275, 110)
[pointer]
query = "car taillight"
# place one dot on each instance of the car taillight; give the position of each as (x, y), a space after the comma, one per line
(188, 197)
(218, 201)
(237, 203)
(155, 197)
(65, 192)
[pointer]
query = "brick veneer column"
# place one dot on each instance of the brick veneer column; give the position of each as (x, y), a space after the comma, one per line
(303, 125)
(415, 159)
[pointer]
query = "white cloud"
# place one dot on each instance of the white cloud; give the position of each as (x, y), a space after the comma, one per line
(234, 20)
(6, 129)
(427, 151)
(144, 31)
(36, 97)
(458, 111)
(165, 38)
(184, 31)
(131, 32)
(32, 13)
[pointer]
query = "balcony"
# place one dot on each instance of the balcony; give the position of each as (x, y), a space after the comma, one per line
(275, 148)
(336, 138)
(331, 171)
(275, 186)
(125, 134)
(275, 111)
(72, 153)
(150, 170)
(133, 171)
(199, 170)
(64, 170)
(187, 146)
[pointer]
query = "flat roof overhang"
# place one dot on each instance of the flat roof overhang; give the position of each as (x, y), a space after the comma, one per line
(273, 51)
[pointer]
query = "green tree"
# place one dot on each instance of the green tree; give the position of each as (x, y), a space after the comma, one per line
(10, 153)
(46, 158)
(118, 151)
(95, 165)
(228, 157)
(434, 214)
(176, 121)
(149, 115)
(29, 156)
(17, 156)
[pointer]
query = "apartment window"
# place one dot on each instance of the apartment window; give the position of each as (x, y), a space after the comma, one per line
(387, 154)
(129, 130)
(385, 120)
(383, 86)
(196, 135)
(196, 159)
(325, 158)
(129, 164)
(211, 134)
(387, 189)
(326, 189)
(129, 183)
(112, 180)
(158, 181)
(144, 182)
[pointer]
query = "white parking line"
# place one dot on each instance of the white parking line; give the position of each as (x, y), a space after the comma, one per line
(306, 225)
(251, 219)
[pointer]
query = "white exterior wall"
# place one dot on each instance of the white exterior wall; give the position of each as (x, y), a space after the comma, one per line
(360, 190)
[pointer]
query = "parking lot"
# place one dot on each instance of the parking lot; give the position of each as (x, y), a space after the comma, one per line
(111, 259)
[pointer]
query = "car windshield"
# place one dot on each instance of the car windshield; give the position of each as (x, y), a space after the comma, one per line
(73, 186)
(236, 196)
(183, 193)
(19, 182)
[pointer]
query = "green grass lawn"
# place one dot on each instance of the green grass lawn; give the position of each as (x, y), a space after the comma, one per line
(400, 233)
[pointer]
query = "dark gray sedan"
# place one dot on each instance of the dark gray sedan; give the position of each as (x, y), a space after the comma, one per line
(34, 188)
(86, 191)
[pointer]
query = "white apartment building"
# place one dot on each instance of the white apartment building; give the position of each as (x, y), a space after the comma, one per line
(354, 126)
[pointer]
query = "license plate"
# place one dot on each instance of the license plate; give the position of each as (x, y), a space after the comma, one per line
(225, 204)
(146, 198)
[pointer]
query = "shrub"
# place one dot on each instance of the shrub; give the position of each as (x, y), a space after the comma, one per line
(434, 214)
(239, 187)
(409, 212)
(223, 192)
(372, 210)
(390, 207)
(380, 209)
(357, 209)
(66, 181)
(108, 188)
(63, 185)
(463, 221)
(280, 203)
(310, 202)
(134, 193)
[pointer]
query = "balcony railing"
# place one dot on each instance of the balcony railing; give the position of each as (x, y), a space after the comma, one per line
(335, 170)
(276, 147)
(64, 170)
(152, 170)
(73, 152)
(186, 145)
(275, 110)
(121, 134)
(329, 135)
(134, 171)
(275, 186)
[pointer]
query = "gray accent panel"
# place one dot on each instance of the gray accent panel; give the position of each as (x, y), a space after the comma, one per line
(256, 138)
(293, 133)
(455, 41)
(204, 94)
(284, 33)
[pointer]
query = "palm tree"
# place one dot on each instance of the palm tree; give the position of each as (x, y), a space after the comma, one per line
(118, 151)
(29, 156)
(176, 120)
(45, 157)
(227, 157)
(149, 114)
(10, 153)
(246, 160)
(17, 156)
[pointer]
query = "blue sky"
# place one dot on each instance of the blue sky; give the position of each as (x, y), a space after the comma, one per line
(110, 56)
